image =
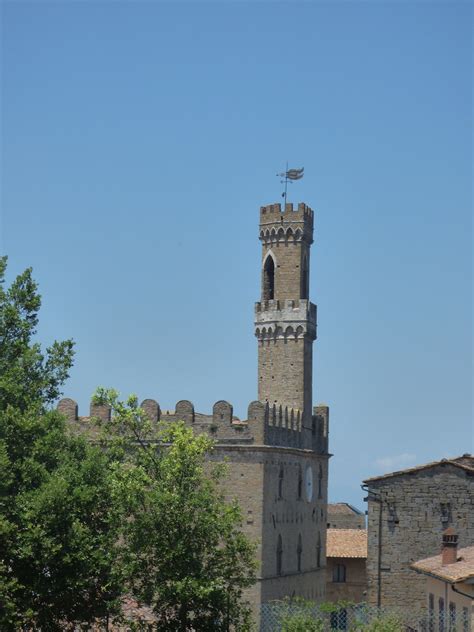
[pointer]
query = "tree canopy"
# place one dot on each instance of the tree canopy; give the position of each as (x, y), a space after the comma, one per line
(57, 533)
(184, 551)
(86, 523)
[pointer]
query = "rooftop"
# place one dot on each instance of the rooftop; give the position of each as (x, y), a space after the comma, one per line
(343, 508)
(347, 543)
(459, 571)
(464, 462)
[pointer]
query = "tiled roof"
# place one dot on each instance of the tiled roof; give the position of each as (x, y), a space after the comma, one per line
(346, 543)
(451, 573)
(343, 508)
(464, 462)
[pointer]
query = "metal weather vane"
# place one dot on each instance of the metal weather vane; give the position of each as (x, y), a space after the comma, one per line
(289, 175)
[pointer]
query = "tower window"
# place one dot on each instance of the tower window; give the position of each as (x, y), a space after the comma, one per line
(279, 555)
(320, 482)
(269, 279)
(304, 291)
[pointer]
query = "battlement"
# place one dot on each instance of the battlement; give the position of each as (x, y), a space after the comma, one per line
(289, 226)
(302, 212)
(288, 319)
(274, 425)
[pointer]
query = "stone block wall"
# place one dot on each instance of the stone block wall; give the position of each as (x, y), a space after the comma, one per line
(416, 508)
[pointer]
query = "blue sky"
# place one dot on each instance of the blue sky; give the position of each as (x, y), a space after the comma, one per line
(140, 139)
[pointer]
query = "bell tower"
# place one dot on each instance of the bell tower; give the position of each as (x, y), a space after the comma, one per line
(285, 319)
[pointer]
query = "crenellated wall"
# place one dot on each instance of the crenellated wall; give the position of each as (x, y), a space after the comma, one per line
(274, 425)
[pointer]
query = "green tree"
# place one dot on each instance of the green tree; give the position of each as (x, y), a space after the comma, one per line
(183, 549)
(57, 530)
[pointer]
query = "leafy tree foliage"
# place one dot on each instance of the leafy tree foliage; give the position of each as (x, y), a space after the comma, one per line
(183, 550)
(57, 531)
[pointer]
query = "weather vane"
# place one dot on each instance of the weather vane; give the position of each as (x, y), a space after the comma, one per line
(289, 174)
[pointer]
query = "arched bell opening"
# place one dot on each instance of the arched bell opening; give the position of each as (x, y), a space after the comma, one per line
(269, 279)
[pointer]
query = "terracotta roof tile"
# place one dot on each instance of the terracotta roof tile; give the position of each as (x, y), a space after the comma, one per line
(451, 573)
(346, 543)
(343, 508)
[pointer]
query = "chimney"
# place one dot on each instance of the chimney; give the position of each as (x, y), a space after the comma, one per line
(449, 549)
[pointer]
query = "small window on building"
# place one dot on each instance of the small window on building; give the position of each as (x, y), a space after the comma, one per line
(318, 552)
(279, 556)
(299, 551)
(300, 484)
(320, 482)
(441, 614)
(339, 573)
(280, 483)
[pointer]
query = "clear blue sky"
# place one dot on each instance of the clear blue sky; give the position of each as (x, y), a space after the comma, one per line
(140, 139)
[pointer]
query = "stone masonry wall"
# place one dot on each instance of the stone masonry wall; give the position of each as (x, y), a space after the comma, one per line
(416, 509)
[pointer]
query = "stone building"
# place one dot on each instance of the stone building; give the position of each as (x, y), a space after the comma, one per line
(346, 553)
(407, 513)
(345, 516)
(278, 456)
(449, 585)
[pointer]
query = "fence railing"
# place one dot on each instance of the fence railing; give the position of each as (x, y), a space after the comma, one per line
(291, 616)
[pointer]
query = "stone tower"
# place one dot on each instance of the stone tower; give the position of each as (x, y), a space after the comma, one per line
(278, 457)
(285, 319)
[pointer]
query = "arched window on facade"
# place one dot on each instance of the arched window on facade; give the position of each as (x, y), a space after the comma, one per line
(279, 555)
(304, 291)
(299, 551)
(339, 573)
(300, 484)
(269, 279)
(318, 552)
(280, 482)
(320, 482)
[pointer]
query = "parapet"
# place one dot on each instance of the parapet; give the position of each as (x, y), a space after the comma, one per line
(288, 226)
(285, 427)
(289, 213)
(275, 425)
(68, 408)
(320, 430)
(289, 319)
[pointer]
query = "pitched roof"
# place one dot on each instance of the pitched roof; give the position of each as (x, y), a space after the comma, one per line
(343, 508)
(346, 543)
(451, 573)
(464, 462)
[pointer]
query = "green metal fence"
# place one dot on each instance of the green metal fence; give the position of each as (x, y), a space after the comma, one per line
(283, 616)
